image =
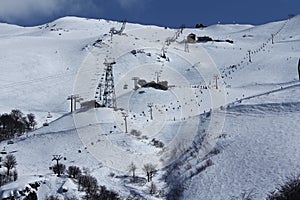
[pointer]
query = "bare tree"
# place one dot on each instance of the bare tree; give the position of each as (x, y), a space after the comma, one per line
(2, 179)
(9, 162)
(132, 168)
(31, 121)
(74, 172)
(59, 169)
(150, 170)
(89, 184)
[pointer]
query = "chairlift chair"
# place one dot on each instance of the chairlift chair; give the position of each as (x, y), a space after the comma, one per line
(49, 115)
(46, 123)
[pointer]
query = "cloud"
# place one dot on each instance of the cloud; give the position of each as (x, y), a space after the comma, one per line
(15, 10)
(33, 11)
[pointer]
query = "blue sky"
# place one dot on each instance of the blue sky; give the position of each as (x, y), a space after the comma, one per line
(159, 12)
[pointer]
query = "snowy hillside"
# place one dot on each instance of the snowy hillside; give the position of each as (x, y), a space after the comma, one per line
(227, 123)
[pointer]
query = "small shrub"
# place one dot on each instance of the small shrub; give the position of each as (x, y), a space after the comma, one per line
(112, 175)
(157, 143)
(214, 151)
(203, 167)
(247, 195)
(175, 192)
(106, 194)
(52, 197)
(135, 133)
(33, 196)
(71, 198)
(290, 190)
(2, 179)
(15, 175)
(152, 189)
(88, 183)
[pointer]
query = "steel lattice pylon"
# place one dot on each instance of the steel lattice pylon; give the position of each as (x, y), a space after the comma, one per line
(108, 96)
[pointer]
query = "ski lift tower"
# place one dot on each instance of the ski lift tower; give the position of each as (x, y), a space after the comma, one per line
(109, 96)
(122, 28)
(186, 46)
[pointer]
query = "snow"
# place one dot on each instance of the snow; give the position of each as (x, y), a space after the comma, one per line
(256, 156)
(246, 124)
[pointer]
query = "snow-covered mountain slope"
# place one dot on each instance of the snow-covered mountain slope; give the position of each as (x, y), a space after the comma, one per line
(39, 64)
(207, 151)
(255, 153)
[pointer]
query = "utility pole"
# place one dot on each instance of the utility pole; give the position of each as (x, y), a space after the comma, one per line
(157, 76)
(163, 52)
(77, 100)
(150, 105)
(112, 30)
(216, 77)
(186, 46)
(135, 83)
(125, 115)
(299, 68)
(57, 158)
(100, 91)
(122, 28)
(249, 51)
(73, 99)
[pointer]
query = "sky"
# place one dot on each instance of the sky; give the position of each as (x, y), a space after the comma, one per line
(169, 13)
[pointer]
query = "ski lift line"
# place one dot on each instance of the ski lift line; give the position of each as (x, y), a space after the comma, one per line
(52, 110)
(47, 77)
(261, 47)
(17, 87)
(21, 83)
(37, 80)
(54, 107)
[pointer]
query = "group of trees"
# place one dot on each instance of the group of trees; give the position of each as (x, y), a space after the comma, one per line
(89, 184)
(10, 163)
(148, 168)
(86, 182)
(15, 124)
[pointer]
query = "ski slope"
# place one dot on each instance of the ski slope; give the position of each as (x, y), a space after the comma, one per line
(250, 115)
(258, 150)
